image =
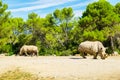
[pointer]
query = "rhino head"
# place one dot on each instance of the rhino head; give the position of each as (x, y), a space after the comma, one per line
(103, 54)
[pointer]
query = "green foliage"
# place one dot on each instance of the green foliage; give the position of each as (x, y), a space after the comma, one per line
(94, 35)
(99, 15)
(63, 19)
(5, 29)
(66, 53)
(5, 48)
(3, 14)
(109, 51)
(117, 8)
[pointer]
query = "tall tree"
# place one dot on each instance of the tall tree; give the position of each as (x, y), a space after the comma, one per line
(33, 25)
(3, 17)
(99, 15)
(117, 8)
(63, 20)
(4, 26)
(3, 14)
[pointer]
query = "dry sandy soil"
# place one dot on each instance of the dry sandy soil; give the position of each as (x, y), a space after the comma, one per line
(64, 68)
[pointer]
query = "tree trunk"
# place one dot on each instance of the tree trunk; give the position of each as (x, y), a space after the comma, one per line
(112, 43)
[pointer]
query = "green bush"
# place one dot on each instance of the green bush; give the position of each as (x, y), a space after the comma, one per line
(7, 49)
(66, 53)
(75, 51)
(109, 51)
(117, 50)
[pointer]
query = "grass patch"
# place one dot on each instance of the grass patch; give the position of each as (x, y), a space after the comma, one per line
(17, 75)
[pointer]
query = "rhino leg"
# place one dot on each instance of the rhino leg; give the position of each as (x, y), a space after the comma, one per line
(36, 53)
(26, 54)
(33, 54)
(95, 55)
(83, 55)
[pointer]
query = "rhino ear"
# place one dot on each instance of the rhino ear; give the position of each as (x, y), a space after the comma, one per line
(101, 49)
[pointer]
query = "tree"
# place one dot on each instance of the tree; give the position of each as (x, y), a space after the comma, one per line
(99, 16)
(4, 28)
(3, 14)
(117, 9)
(59, 28)
(17, 30)
(34, 27)
(3, 18)
(63, 20)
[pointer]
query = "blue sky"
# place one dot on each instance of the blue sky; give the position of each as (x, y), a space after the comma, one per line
(21, 8)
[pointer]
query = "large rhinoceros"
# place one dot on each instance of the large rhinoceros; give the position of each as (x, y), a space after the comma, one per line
(29, 50)
(93, 48)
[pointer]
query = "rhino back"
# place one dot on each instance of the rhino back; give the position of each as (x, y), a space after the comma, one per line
(89, 46)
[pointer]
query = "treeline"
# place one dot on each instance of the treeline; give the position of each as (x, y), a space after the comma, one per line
(60, 33)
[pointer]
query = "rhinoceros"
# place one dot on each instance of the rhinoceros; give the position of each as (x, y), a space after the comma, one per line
(93, 48)
(29, 50)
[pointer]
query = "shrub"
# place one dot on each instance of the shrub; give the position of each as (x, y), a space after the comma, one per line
(17, 75)
(7, 48)
(66, 53)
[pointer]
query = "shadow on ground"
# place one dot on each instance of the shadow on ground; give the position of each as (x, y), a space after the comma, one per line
(76, 58)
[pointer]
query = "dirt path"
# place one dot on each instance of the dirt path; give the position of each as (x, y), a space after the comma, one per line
(65, 68)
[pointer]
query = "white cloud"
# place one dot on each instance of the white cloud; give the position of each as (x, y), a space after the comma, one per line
(113, 1)
(83, 3)
(49, 1)
(41, 5)
(78, 13)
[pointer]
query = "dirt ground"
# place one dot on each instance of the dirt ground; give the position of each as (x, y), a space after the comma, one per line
(65, 67)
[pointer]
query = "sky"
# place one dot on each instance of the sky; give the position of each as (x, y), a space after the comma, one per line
(21, 8)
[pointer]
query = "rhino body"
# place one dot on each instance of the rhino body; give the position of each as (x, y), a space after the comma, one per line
(93, 48)
(29, 50)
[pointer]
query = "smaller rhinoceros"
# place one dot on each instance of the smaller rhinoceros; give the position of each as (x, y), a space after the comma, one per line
(93, 48)
(29, 50)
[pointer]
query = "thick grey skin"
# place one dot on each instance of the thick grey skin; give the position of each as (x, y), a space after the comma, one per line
(94, 48)
(29, 50)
